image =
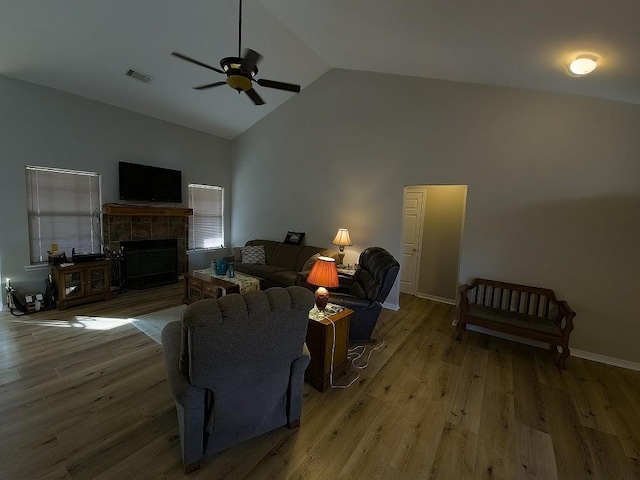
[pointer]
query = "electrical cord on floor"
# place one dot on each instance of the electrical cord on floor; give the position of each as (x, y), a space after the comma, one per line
(12, 301)
(20, 314)
(333, 351)
(352, 355)
(357, 355)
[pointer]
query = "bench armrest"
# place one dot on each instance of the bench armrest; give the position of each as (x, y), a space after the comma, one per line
(565, 312)
(464, 299)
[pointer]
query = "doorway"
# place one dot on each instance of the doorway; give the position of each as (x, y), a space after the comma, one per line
(432, 228)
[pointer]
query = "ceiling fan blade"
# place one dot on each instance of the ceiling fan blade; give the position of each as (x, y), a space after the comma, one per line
(251, 58)
(253, 95)
(289, 87)
(209, 85)
(197, 62)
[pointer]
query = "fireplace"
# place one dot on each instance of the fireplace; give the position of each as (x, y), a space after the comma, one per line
(149, 263)
(124, 223)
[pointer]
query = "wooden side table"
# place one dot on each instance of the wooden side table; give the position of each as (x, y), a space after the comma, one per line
(83, 282)
(347, 272)
(320, 335)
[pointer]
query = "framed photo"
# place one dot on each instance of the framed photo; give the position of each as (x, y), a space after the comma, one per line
(294, 238)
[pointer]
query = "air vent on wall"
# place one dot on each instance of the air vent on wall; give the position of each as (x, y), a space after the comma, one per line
(143, 77)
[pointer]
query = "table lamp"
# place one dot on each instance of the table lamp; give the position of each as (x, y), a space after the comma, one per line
(342, 240)
(323, 274)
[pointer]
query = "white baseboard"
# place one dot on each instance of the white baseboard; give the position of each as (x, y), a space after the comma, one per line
(435, 298)
(596, 357)
(391, 306)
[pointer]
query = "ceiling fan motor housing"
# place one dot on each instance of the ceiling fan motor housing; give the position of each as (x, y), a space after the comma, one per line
(237, 78)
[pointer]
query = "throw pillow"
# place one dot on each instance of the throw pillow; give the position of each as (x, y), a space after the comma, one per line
(294, 238)
(312, 259)
(254, 254)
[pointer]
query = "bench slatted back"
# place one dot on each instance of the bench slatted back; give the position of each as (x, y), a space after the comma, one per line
(534, 301)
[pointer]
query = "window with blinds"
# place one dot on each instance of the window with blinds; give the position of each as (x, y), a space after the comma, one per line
(61, 205)
(206, 226)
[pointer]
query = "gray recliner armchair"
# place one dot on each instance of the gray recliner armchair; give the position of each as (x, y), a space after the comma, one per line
(236, 368)
(367, 291)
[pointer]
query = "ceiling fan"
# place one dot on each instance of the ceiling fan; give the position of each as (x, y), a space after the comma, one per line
(240, 71)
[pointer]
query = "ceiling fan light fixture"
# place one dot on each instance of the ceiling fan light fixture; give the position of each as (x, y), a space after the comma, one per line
(229, 64)
(583, 65)
(241, 83)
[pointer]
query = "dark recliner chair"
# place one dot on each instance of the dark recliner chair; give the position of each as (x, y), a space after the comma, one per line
(236, 368)
(368, 291)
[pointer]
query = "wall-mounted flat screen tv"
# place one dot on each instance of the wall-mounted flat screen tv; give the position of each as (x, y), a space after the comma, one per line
(148, 183)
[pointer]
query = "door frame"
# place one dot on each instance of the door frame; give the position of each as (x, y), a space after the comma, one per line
(424, 188)
(416, 271)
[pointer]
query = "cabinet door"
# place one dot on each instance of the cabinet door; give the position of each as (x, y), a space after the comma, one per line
(72, 284)
(97, 280)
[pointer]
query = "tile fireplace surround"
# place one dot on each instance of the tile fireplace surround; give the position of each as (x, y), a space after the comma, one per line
(134, 222)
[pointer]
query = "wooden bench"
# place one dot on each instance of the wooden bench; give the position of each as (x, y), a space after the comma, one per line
(528, 312)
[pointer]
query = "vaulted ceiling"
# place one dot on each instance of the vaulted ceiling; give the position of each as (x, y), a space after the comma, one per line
(85, 47)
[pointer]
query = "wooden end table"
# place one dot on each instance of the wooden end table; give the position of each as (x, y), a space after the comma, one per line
(320, 345)
(199, 286)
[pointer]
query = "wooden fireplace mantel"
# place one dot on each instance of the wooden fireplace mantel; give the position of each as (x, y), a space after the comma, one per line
(122, 209)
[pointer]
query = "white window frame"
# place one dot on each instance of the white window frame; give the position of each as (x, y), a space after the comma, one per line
(206, 221)
(58, 204)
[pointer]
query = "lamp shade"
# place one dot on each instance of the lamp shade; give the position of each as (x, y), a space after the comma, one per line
(342, 239)
(324, 273)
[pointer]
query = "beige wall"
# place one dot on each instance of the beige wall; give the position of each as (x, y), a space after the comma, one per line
(47, 127)
(553, 190)
(441, 236)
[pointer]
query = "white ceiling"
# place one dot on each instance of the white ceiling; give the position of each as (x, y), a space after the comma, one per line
(85, 46)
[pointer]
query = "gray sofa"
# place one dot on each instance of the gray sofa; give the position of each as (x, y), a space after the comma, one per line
(283, 262)
(236, 367)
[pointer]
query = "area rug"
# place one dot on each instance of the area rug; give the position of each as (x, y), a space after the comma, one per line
(152, 323)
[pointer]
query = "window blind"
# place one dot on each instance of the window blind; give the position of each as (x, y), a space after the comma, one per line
(206, 226)
(60, 209)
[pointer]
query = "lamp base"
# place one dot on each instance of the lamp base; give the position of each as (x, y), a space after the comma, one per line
(322, 298)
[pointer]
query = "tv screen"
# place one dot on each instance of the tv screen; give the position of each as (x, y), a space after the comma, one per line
(154, 184)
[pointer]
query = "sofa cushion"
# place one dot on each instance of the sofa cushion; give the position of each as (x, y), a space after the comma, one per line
(262, 271)
(254, 254)
(285, 256)
(286, 278)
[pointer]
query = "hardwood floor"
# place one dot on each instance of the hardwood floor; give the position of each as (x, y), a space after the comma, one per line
(79, 402)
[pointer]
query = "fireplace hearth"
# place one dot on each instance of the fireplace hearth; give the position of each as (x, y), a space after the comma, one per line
(149, 263)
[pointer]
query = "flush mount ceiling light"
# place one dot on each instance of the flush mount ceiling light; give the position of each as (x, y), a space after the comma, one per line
(583, 65)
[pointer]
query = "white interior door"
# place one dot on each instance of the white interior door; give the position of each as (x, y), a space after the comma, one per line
(412, 207)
